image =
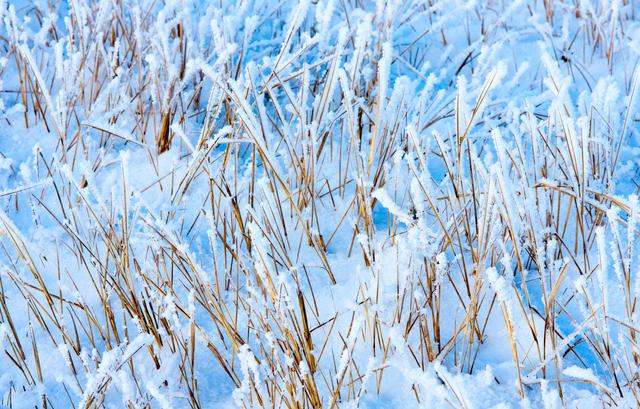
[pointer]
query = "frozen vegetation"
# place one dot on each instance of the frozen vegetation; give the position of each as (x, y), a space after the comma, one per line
(325, 203)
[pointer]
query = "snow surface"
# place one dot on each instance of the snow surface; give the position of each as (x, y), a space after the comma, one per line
(373, 204)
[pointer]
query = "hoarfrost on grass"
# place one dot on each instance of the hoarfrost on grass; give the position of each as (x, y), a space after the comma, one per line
(319, 203)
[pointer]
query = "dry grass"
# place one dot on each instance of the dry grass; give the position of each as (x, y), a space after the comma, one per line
(242, 228)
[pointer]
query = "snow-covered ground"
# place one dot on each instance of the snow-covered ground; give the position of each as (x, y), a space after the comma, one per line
(327, 203)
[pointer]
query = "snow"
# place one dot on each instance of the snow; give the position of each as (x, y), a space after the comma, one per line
(420, 203)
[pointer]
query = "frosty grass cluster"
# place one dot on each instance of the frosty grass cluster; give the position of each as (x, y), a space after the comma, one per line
(319, 204)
